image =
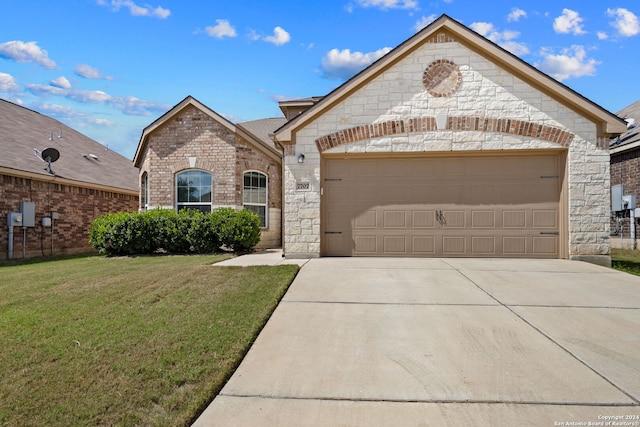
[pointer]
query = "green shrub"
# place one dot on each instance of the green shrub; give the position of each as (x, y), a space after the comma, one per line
(188, 231)
(238, 230)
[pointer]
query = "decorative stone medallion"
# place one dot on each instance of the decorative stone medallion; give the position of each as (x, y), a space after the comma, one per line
(442, 78)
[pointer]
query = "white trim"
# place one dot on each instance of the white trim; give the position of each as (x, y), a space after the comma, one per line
(266, 203)
(175, 186)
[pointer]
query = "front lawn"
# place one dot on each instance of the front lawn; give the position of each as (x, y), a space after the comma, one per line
(626, 260)
(126, 341)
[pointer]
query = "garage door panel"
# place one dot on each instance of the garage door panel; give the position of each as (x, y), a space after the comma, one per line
(514, 245)
(394, 219)
(544, 245)
(366, 220)
(465, 206)
(514, 218)
(545, 218)
(453, 245)
(454, 219)
(395, 245)
(365, 244)
(423, 245)
(483, 246)
(423, 219)
(483, 219)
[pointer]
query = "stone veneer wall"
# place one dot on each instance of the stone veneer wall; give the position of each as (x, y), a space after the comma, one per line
(486, 92)
(76, 206)
(194, 140)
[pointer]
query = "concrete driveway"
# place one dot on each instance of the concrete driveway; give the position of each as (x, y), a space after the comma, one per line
(443, 342)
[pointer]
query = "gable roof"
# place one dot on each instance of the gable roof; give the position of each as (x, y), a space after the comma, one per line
(608, 124)
(24, 133)
(262, 128)
(265, 146)
(630, 139)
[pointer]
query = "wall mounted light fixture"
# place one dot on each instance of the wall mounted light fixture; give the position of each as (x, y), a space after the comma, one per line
(301, 158)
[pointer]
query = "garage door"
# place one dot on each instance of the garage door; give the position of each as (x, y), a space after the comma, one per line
(505, 206)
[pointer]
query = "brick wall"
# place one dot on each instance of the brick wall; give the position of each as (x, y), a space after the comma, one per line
(76, 206)
(190, 134)
(625, 169)
(194, 140)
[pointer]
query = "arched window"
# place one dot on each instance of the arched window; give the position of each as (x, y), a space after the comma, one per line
(193, 190)
(144, 191)
(254, 196)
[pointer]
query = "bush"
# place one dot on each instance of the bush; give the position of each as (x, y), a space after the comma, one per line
(188, 231)
(238, 230)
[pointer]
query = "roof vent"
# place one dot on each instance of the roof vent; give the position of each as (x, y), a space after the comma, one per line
(631, 123)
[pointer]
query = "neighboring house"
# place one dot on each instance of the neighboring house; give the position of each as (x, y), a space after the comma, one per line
(87, 180)
(448, 146)
(191, 157)
(625, 170)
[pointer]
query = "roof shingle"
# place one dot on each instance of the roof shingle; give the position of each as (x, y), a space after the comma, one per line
(24, 133)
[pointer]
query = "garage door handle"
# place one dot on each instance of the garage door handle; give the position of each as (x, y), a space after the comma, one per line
(333, 232)
(550, 233)
(332, 179)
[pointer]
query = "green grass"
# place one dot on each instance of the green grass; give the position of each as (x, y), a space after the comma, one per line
(126, 341)
(626, 260)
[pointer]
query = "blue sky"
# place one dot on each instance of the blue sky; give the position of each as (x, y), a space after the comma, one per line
(109, 68)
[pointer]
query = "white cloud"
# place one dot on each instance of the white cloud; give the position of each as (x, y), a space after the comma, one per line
(626, 22)
(222, 29)
(61, 82)
(343, 64)
(571, 62)
(505, 39)
(389, 4)
(569, 22)
(20, 51)
(128, 105)
(136, 10)
(423, 22)
(8, 83)
(602, 35)
(89, 72)
(279, 37)
(516, 14)
(101, 122)
(56, 110)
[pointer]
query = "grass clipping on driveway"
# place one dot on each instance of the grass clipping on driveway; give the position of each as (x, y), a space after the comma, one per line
(126, 341)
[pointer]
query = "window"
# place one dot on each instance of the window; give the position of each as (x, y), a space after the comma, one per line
(254, 196)
(144, 191)
(193, 190)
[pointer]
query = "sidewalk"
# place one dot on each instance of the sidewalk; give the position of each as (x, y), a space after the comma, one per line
(266, 257)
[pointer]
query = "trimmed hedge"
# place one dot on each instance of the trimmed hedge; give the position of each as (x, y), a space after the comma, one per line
(188, 231)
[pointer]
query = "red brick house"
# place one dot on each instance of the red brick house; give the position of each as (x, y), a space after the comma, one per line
(192, 157)
(625, 170)
(86, 181)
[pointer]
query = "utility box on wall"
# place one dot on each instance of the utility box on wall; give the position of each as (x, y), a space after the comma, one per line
(617, 191)
(28, 211)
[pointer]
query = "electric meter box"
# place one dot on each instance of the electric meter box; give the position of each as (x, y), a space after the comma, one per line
(28, 211)
(629, 201)
(14, 219)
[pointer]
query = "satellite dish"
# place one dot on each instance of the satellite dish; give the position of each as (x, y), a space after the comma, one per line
(50, 155)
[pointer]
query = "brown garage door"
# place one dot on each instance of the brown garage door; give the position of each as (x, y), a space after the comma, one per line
(505, 206)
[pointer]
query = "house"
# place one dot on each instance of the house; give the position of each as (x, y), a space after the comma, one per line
(192, 157)
(625, 170)
(448, 146)
(51, 204)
